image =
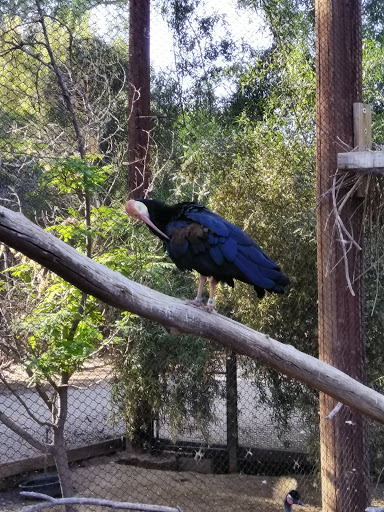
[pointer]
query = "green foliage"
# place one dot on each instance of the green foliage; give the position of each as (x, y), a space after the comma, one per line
(74, 174)
(249, 156)
(373, 16)
(58, 337)
(171, 375)
(175, 377)
(373, 81)
(37, 130)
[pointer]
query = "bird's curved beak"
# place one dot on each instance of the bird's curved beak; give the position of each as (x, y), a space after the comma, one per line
(139, 211)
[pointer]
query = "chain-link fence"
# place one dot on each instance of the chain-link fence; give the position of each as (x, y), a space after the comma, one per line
(119, 408)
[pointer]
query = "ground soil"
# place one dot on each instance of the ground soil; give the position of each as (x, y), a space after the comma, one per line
(105, 478)
(93, 371)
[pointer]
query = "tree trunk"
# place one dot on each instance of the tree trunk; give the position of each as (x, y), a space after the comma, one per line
(59, 451)
(142, 435)
(139, 98)
(344, 447)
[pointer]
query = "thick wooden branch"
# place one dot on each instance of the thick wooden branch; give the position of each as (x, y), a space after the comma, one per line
(116, 290)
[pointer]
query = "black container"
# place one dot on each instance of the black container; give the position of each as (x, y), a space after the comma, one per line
(49, 485)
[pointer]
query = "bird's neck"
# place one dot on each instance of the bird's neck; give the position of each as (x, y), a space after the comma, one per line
(287, 506)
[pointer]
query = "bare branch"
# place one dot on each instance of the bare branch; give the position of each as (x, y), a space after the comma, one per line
(114, 505)
(26, 408)
(43, 448)
(61, 82)
(116, 290)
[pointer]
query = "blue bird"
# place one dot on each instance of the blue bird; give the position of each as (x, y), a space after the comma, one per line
(198, 239)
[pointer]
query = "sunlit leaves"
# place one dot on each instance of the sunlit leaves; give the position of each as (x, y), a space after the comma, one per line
(59, 337)
(76, 175)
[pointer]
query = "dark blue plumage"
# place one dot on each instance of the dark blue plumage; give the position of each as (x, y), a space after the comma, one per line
(196, 238)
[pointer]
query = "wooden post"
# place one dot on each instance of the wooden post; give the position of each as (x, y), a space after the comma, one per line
(138, 98)
(344, 447)
(362, 126)
(362, 133)
(232, 414)
(138, 154)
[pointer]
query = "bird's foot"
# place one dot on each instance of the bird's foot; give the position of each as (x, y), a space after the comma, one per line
(198, 303)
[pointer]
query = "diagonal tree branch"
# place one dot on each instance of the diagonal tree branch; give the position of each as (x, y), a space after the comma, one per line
(43, 448)
(24, 405)
(118, 291)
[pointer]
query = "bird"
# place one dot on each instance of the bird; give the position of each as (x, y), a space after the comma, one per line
(292, 498)
(196, 238)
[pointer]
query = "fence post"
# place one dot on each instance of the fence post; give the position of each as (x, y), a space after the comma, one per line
(232, 413)
(344, 447)
(138, 97)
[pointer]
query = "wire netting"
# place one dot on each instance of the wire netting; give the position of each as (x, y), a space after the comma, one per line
(119, 408)
(343, 441)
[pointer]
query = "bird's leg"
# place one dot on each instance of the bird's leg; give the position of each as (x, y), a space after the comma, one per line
(211, 301)
(198, 300)
(200, 289)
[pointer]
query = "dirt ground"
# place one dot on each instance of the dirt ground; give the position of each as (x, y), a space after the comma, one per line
(192, 492)
(93, 370)
(105, 477)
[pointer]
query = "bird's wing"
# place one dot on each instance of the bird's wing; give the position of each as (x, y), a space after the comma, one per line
(237, 247)
(196, 231)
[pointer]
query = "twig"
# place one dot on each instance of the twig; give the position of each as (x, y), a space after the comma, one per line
(341, 233)
(64, 90)
(114, 505)
(344, 145)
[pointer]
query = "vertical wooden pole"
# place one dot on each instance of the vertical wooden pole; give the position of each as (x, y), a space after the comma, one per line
(138, 155)
(232, 414)
(362, 134)
(139, 98)
(362, 127)
(344, 448)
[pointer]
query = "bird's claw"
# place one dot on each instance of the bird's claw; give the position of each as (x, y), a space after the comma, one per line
(198, 303)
